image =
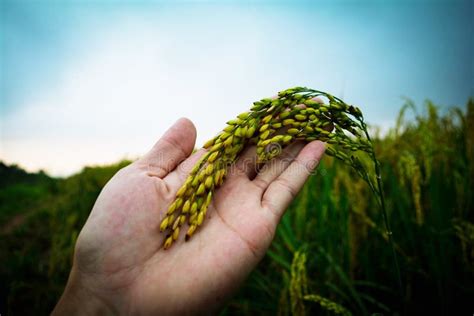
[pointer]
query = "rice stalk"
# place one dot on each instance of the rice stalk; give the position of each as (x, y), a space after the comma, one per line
(298, 290)
(327, 304)
(272, 124)
(298, 287)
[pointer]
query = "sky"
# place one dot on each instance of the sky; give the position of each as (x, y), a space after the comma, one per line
(93, 82)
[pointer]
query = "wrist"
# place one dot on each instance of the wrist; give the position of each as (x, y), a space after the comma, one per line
(77, 299)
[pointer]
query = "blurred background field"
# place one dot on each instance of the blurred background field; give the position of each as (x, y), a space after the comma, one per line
(330, 254)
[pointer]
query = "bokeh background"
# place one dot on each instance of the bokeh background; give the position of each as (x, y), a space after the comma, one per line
(96, 83)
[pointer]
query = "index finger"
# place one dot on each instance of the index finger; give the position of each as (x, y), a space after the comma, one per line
(284, 188)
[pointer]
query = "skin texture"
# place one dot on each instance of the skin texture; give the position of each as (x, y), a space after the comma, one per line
(119, 264)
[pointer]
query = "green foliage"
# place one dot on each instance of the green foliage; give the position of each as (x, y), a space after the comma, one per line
(20, 192)
(36, 252)
(330, 253)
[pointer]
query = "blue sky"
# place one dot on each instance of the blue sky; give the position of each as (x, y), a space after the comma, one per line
(88, 82)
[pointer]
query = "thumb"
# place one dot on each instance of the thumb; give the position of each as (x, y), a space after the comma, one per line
(173, 147)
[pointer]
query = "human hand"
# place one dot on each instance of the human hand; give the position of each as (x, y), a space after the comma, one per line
(119, 265)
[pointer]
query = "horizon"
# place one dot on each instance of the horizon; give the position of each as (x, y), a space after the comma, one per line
(380, 131)
(90, 84)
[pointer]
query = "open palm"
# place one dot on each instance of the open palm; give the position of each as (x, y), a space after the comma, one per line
(120, 266)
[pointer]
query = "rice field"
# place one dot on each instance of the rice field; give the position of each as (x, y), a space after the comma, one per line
(330, 255)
